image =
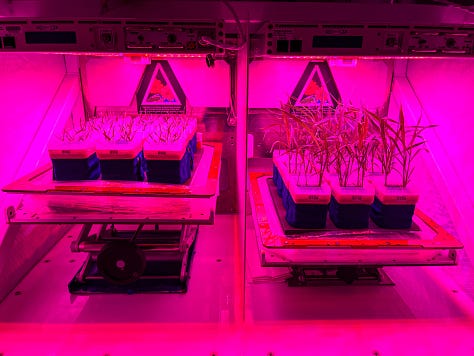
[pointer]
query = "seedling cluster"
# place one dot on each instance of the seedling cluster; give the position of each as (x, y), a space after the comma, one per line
(347, 141)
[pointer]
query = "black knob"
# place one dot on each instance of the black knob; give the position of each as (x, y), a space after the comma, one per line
(171, 38)
(106, 37)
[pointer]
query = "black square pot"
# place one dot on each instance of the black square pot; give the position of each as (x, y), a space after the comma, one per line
(392, 216)
(76, 169)
(349, 216)
(124, 169)
(172, 172)
(305, 216)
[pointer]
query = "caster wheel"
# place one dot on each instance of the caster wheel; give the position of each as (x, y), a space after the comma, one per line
(121, 262)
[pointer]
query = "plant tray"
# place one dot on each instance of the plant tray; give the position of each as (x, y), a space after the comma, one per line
(425, 243)
(203, 182)
(329, 226)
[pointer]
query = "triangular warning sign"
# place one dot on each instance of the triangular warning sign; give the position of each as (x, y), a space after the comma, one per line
(159, 91)
(316, 88)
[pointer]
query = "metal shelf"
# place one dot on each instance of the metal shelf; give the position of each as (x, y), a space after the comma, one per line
(96, 202)
(427, 244)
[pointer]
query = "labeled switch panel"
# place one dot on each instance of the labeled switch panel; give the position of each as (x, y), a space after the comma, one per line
(271, 39)
(111, 36)
(441, 42)
(165, 38)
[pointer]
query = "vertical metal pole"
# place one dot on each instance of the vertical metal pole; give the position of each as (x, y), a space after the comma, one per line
(241, 161)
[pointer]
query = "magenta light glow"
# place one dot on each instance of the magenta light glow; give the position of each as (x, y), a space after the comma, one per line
(114, 81)
(29, 82)
(119, 54)
(320, 337)
(364, 82)
(311, 58)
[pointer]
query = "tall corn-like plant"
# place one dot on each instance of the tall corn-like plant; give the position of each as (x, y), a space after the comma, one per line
(305, 139)
(285, 138)
(322, 150)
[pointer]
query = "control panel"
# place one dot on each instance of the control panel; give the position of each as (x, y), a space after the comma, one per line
(441, 41)
(281, 39)
(174, 37)
(276, 39)
(109, 36)
(8, 33)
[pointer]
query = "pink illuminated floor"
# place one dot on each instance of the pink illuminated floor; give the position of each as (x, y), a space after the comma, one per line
(424, 314)
(365, 337)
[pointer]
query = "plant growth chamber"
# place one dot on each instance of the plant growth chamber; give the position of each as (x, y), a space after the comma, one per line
(160, 177)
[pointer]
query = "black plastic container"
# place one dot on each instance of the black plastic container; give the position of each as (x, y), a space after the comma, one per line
(349, 216)
(305, 216)
(171, 171)
(124, 169)
(392, 216)
(76, 169)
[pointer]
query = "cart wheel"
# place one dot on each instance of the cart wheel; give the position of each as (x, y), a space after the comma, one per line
(121, 262)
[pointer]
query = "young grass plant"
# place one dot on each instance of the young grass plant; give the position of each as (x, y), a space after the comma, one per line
(168, 129)
(116, 128)
(76, 134)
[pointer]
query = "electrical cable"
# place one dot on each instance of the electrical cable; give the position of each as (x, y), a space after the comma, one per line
(205, 40)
